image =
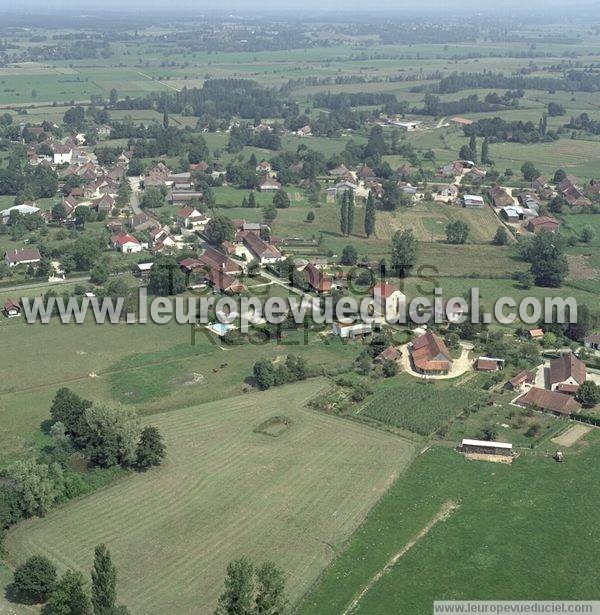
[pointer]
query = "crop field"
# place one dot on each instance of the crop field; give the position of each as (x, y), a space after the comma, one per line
(421, 407)
(183, 522)
(505, 540)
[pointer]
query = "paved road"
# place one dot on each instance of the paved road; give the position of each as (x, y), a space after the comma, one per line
(134, 201)
(18, 287)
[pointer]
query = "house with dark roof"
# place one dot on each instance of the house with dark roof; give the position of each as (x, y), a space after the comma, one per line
(488, 364)
(12, 308)
(25, 256)
(592, 341)
(430, 355)
(543, 223)
(567, 370)
(549, 401)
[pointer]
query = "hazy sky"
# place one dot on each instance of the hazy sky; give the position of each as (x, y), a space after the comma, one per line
(311, 5)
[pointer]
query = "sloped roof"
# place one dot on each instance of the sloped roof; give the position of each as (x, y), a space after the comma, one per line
(549, 400)
(565, 367)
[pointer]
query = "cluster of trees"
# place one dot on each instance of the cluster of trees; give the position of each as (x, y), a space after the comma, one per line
(267, 374)
(253, 591)
(571, 81)
(27, 183)
(241, 136)
(496, 130)
(433, 105)
(36, 581)
(108, 435)
(585, 122)
(346, 100)
(219, 98)
(457, 232)
(545, 252)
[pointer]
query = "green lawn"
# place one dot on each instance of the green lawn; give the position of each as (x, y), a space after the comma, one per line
(508, 539)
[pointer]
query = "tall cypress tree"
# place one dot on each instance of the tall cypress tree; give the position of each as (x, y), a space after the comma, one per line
(370, 215)
(350, 227)
(473, 147)
(165, 119)
(344, 214)
(104, 582)
(485, 152)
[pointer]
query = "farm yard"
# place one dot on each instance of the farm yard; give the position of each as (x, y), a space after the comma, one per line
(180, 519)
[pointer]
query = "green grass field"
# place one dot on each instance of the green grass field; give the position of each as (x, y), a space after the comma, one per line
(223, 492)
(508, 539)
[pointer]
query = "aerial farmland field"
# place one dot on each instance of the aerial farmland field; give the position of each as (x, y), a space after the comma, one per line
(208, 503)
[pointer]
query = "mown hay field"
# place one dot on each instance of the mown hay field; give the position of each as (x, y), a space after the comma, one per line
(225, 491)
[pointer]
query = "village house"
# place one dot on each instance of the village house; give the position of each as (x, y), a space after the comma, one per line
(351, 330)
(536, 334)
(161, 240)
(592, 341)
(25, 256)
(540, 183)
(391, 353)
(260, 250)
(143, 222)
(429, 355)
(460, 121)
(388, 302)
(448, 193)
(305, 131)
(488, 364)
(543, 223)
(472, 200)
(521, 381)
(104, 204)
(12, 308)
(156, 176)
(62, 154)
(25, 209)
(190, 218)
(269, 184)
(184, 196)
(549, 401)
(125, 243)
(317, 279)
(264, 168)
(500, 198)
(224, 283)
(213, 259)
(567, 373)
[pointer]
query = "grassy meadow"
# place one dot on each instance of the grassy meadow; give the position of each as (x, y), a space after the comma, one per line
(504, 541)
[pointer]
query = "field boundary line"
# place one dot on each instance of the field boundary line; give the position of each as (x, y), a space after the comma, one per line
(444, 513)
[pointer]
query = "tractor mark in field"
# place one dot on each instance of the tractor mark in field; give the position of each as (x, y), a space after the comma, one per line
(167, 85)
(444, 513)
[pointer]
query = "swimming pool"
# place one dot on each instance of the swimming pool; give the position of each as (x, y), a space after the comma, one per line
(220, 328)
